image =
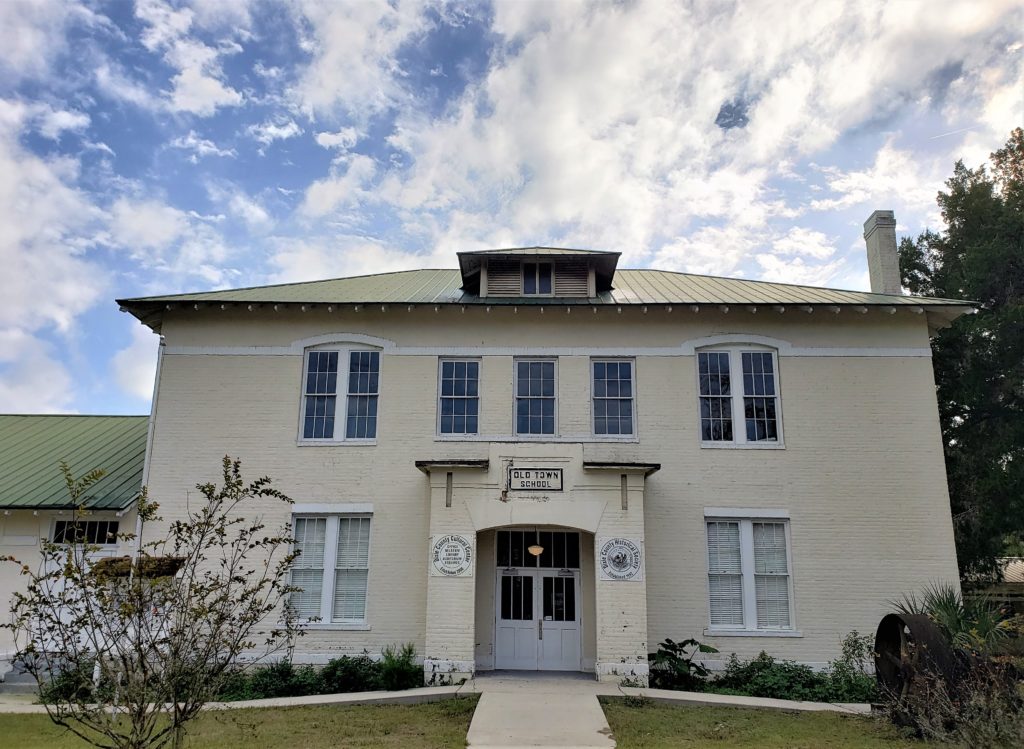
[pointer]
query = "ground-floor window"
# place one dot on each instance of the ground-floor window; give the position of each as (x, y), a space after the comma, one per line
(749, 583)
(332, 567)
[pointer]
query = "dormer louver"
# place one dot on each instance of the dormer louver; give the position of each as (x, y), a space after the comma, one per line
(538, 272)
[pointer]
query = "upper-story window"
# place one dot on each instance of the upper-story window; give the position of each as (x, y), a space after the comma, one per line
(743, 413)
(321, 394)
(459, 401)
(538, 279)
(536, 400)
(613, 397)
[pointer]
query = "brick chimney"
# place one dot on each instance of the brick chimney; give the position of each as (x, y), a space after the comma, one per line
(883, 257)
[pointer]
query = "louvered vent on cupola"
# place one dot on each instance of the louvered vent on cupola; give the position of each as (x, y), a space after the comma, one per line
(504, 277)
(572, 278)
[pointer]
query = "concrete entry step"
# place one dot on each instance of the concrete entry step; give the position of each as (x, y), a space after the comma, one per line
(526, 709)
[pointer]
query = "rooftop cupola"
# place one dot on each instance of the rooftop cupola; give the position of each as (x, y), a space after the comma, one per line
(541, 272)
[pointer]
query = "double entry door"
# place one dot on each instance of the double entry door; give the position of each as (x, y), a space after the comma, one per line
(538, 622)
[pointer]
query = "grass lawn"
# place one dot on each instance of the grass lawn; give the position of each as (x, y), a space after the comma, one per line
(434, 725)
(656, 726)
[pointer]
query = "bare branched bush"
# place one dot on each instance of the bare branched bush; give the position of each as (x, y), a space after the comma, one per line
(127, 651)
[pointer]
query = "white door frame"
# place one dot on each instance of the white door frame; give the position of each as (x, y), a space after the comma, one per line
(536, 624)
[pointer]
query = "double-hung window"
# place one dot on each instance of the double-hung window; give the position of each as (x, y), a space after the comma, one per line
(536, 400)
(538, 279)
(739, 397)
(331, 568)
(749, 585)
(359, 373)
(458, 409)
(613, 397)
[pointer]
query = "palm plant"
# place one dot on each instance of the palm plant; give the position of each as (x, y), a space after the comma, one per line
(975, 623)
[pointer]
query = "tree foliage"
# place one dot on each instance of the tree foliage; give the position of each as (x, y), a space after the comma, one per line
(979, 360)
(127, 651)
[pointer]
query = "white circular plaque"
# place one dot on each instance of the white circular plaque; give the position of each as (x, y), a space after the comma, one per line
(620, 559)
(451, 556)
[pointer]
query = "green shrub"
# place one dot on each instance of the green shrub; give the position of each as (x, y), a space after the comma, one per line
(345, 674)
(283, 679)
(764, 676)
(672, 667)
(398, 668)
(70, 685)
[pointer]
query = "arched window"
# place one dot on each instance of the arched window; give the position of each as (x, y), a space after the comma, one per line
(738, 392)
(340, 393)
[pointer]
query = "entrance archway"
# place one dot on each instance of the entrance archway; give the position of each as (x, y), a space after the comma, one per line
(537, 604)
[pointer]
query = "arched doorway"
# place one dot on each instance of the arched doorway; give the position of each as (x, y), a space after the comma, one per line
(536, 598)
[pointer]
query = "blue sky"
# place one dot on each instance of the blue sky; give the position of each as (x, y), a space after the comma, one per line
(158, 146)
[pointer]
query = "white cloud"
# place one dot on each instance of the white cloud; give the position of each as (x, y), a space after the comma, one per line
(53, 122)
(354, 49)
(26, 364)
(134, 366)
(895, 175)
(200, 147)
(146, 224)
(197, 88)
(806, 242)
(334, 257)
(31, 36)
(267, 132)
(341, 188)
(344, 139)
(115, 83)
(797, 270)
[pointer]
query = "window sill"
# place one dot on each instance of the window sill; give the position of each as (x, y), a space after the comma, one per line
(743, 445)
(335, 443)
(753, 633)
(533, 438)
(337, 627)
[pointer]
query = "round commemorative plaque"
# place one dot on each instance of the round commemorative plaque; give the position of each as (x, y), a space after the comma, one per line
(620, 559)
(451, 556)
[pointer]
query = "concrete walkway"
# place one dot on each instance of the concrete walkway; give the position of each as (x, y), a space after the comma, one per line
(531, 709)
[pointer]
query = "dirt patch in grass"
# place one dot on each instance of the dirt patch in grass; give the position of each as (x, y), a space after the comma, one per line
(434, 725)
(656, 726)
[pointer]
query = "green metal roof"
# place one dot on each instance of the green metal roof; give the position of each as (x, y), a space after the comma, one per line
(444, 287)
(31, 448)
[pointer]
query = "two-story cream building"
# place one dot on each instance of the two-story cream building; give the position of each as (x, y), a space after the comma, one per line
(540, 461)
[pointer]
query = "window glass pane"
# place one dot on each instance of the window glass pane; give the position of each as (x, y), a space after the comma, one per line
(770, 548)
(529, 278)
(544, 278)
(613, 398)
(759, 403)
(349, 594)
(715, 396)
(772, 593)
(725, 581)
(321, 389)
(307, 571)
(535, 400)
(459, 397)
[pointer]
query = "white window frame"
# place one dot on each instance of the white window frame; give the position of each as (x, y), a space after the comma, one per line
(479, 395)
(326, 620)
(341, 396)
(104, 547)
(522, 277)
(746, 519)
(526, 436)
(739, 425)
(632, 436)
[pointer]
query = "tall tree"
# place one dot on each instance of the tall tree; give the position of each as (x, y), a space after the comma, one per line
(979, 360)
